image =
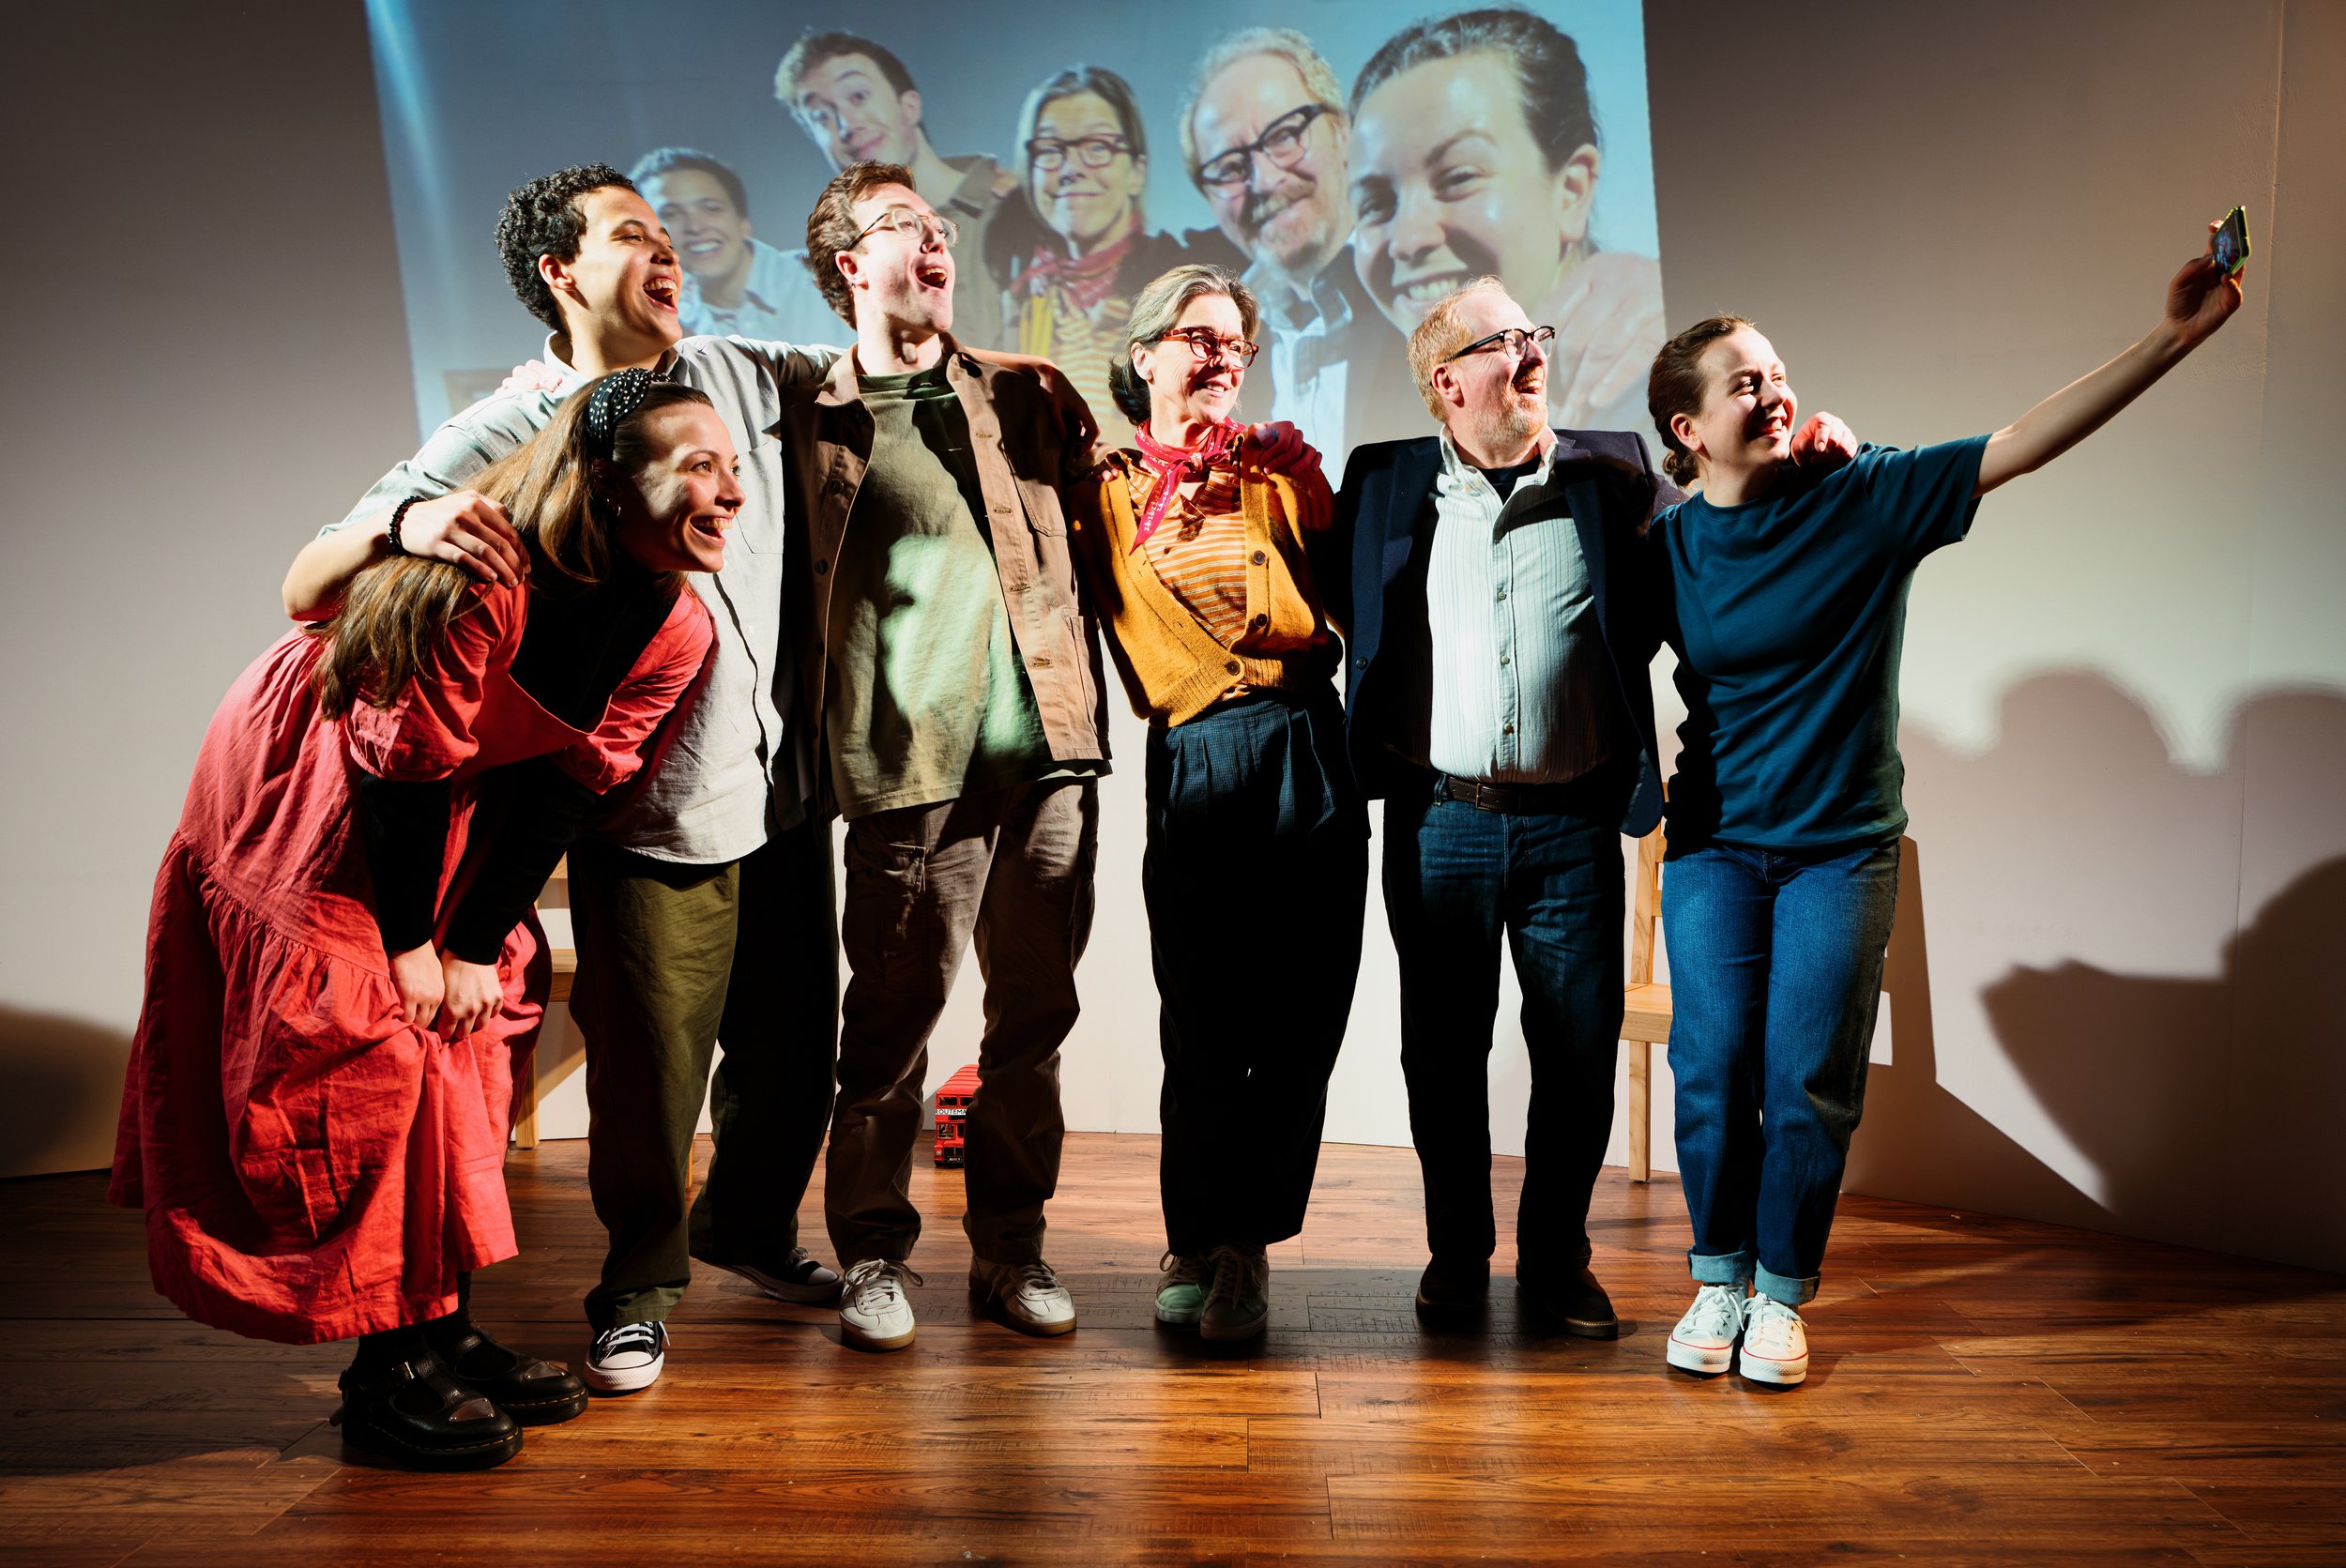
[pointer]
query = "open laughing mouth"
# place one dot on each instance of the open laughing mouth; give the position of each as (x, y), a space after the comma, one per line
(661, 290)
(710, 530)
(933, 275)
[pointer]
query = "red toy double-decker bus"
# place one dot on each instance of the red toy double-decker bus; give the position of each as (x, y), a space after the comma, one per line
(952, 1108)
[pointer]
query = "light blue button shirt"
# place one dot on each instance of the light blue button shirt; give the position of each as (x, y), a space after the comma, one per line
(1521, 693)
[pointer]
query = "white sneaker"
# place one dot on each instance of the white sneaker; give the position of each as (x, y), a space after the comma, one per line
(1181, 1289)
(1238, 1304)
(873, 1313)
(1776, 1343)
(1029, 1295)
(1704, 1340)
(627, 1358)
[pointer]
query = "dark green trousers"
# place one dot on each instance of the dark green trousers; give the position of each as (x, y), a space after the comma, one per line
(673, 959)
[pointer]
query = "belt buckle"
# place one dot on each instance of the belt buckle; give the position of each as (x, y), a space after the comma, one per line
(1470, 792)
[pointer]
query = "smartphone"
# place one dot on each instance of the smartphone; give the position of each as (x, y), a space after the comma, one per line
(2231, 245)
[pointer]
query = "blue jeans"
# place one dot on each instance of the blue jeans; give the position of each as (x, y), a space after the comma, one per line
(1775, 973)
(1455, 878)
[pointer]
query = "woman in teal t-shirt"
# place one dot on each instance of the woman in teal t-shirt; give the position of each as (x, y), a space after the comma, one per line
(1786, 607)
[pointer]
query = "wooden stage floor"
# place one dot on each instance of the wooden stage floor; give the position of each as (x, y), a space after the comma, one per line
(1984, 1390)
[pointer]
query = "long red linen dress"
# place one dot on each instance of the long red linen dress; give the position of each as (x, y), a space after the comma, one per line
(312, 1166)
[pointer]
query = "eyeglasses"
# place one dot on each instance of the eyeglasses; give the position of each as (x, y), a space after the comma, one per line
(1514, 340)
(914, 226)
(1282, 142)
(1209, 345)
(1097, 152)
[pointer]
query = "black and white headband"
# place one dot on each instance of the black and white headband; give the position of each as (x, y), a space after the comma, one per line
(613, 399)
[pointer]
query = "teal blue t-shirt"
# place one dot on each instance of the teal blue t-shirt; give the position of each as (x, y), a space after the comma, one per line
(1787, 615)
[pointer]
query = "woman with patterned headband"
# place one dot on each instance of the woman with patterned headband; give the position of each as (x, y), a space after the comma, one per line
(344, 976)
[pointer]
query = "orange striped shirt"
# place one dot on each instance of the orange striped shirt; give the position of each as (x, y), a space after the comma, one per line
(1199, 551)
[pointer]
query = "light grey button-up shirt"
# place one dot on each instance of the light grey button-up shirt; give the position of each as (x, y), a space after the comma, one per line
(735, 772)
(1520, 689)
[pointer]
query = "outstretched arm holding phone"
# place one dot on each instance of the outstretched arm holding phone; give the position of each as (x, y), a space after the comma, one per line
(2201, 298)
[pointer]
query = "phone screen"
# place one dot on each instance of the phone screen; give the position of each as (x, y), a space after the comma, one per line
(2231, 248)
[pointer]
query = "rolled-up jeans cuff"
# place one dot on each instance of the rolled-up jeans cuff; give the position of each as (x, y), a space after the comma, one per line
(1721, 1269)
(1792, 1292)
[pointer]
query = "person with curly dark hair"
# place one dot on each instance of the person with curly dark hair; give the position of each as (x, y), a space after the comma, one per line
(345, 972)
(715, 851)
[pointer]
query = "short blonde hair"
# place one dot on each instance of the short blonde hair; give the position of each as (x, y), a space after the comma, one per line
(1441, 335)
(1282, 43)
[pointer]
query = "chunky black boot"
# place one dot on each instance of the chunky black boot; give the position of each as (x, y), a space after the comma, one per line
(533, 1392)
(414, 1413)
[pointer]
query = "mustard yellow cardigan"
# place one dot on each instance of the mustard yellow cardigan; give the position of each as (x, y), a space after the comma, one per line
(1173, 668)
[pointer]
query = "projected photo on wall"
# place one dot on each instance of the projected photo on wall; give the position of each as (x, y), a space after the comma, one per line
(1355, 161)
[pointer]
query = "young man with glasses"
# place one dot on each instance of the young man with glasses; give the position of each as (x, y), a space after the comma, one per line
(1498, 701)
(856, 101)
(956, 690)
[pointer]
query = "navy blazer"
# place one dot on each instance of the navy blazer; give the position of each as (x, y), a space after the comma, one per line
(1386, 511)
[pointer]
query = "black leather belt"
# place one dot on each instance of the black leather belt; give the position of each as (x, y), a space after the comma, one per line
(1586, 795)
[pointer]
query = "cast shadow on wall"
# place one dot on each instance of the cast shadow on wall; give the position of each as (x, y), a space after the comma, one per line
(60, 1091)
(2206, 1101)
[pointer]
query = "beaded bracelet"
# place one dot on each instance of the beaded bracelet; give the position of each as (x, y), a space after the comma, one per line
(399, 515)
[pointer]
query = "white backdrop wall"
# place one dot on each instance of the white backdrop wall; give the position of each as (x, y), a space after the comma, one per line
(2113, 995)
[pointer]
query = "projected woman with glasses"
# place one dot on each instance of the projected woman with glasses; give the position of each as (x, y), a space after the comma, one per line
(1087, 159)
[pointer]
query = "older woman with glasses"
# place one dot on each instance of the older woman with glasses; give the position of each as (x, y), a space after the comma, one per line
(1086, 157)
(1204, 548)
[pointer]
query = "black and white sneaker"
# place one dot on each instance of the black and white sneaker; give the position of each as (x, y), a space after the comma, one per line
(627, 1358)
(799, 1279)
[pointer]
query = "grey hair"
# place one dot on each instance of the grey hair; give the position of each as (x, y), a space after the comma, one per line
(1284, 43)
(1156, 310)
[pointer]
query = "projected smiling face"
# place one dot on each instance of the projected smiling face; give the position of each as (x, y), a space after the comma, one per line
(712, 237)
(848, 107)
(1086, 206)
(1285, 204)
(625, 274)
(1450, 185)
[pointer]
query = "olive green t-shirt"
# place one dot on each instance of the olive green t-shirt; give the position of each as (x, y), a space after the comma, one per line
(925, 699)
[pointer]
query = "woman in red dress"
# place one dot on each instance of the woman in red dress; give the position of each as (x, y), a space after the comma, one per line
(344, 976)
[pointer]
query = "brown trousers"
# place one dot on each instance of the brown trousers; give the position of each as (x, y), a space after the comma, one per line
(1010, 869)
